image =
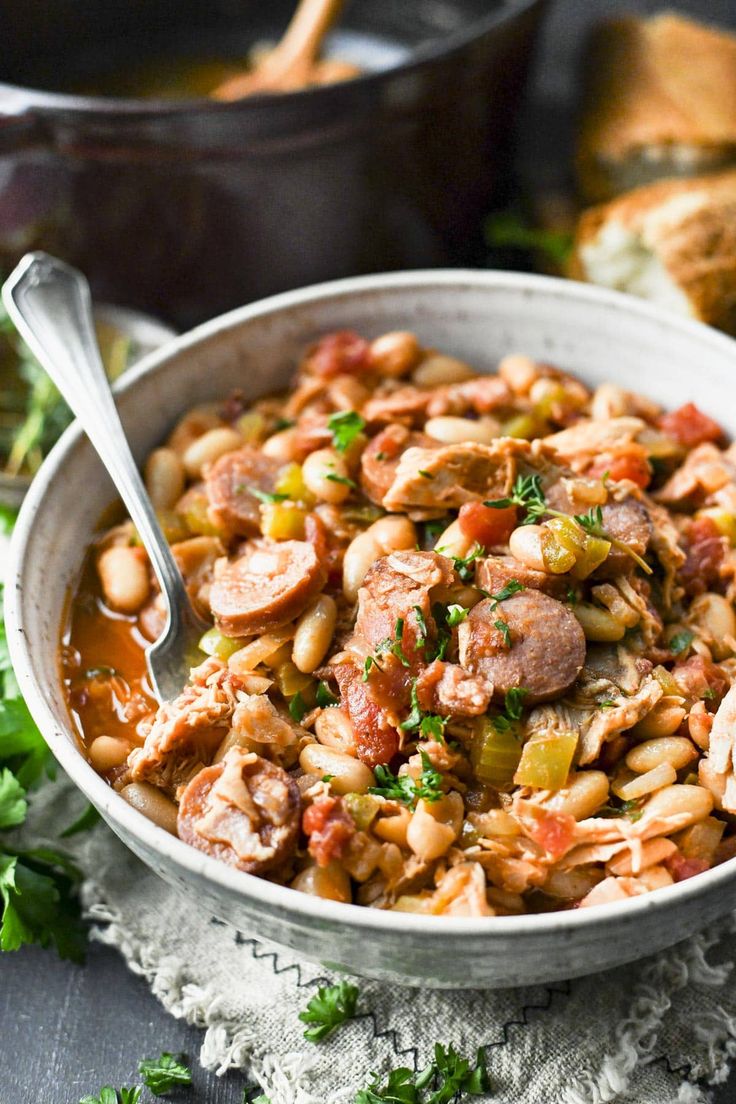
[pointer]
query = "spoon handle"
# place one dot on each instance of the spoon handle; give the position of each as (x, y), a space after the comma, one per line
(50, 304)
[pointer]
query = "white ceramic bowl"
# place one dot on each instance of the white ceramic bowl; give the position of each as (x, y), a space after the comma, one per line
(478, 316)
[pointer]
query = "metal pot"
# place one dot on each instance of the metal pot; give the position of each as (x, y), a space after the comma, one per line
(186, 208)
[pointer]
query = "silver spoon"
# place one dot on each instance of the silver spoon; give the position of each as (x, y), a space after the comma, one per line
(50, 304)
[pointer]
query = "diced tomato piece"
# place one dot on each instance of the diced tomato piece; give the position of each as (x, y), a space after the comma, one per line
(486, 524)
(336, 354)
(681, 867)
(705, 554)
(552, 831)
(329, 827)
(630, 463)
(698, 677)
(690, 426)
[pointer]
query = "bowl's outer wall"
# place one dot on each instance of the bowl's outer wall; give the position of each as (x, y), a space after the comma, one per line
(479, 317)
(191, 213)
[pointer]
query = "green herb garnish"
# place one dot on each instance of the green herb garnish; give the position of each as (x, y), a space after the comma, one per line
(508, 230)
(163, 1074)
(465, 565)
(512, 710)
(335, 478)
(345, 427)
(325, 697)
(505, 631)
(264, 496)
(456, 614)
(448, 1078)
(333, 1005)
(512, 587)
(404, 788)
(681, 641)
(298, 708)
(109, 1095)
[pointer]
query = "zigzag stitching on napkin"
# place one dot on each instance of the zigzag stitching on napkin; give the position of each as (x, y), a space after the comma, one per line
(253, 945)
(552, 992)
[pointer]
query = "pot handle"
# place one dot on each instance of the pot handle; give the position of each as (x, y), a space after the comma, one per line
(19, 126)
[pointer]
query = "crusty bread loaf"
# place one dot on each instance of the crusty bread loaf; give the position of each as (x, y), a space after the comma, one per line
(673, 242)
(659, 101)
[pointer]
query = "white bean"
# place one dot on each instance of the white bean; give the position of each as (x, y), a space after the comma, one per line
(195, 422)
(432, 829)
(323, 473)
(313, 634)
(582, 796)
(124, 577)
(394, 354)
(675, 750)
(663, 720)
(154, 804)
(210, 447)
(519, 372)
(453, 542)
(349, 775)
(692, 803)
(330, 882)
(526, 546)
(598, 624)
(334, 728)
(714, 616)
(388, 534)
(455, 431)
(437, 370)
(165, 478)
(282, 446)
(106, 752)
(699, 724)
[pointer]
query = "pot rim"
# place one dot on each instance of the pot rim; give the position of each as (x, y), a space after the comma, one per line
(18, 99)
(278, 899)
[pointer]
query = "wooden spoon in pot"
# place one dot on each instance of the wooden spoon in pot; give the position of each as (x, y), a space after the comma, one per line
(295, 62)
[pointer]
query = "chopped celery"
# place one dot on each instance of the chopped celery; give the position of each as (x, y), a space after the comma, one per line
(594, 553)
(701, 840)
(665, 680)
(546, 760)
(291, 483)
(195, 514)
(568, 533)
(557, 558)
(290, 680)
(521, 425)
(495, 754)
(363, 808)
(282, 521)
(724, 522)
(213, 643)
(554, 398)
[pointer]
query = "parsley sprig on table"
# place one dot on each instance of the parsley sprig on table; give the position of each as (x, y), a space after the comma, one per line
(408, 790)
(332, 1006)
(163, 1074)
(448, 1078)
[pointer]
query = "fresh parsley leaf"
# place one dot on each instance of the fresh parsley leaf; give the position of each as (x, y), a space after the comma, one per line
(8, 516)
(327, 777)
(504, 629)
(571, 597)
(425, 474)
(298, 707)
(266, 496)
(408, 790)
(607, 703)
(344, 428)
(512, 587)
(465, 565)
(435, 528)
(333, 1005)
(131, 1095)
(370, 662)
(335, 478)
(401, 1088)
(527, 494)
(38, 895)
(283, 423)
(83, 823)
(22, 747)
(512, 709)
(631, 809)
(163, 1074)
(13, 804)
(422, 626)
(432, 727)
(446, 1079)
(681, 641)
(108, 1095)
(456, 614)
(325, 697)
(414, 719)
(592, 521)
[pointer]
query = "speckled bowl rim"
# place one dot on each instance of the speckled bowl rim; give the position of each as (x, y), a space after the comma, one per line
(278, 898)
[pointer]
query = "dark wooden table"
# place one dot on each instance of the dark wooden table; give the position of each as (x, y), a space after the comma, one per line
(66, 1030)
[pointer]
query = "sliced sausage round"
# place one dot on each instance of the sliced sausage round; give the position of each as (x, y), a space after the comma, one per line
(495, 572)
(627, 521)
(269, 584)
(244, 811)
(381, 457)
(544, 653)
(371, 708)
(229, 483)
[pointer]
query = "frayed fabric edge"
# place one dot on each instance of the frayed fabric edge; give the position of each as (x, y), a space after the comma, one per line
(636, 1036)
(226, 1045)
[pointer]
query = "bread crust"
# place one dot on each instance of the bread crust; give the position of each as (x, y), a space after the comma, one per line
(660, 100)
(690, 226)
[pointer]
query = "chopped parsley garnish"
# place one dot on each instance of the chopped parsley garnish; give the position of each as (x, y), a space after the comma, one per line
(455, 615)
(335, 478)
(430, 725)
(465, 565)
(709, 693)
(681, 641)
(325, 697)
(298, 708)
(422, 626)
(512, 709)
(631, 809)
(435, 528)
(408, 790)
(333, 1005)
(512, 587)
(509, 230)
(388, 646)
(345, 427)
(607, 703)
(283, 423)
(109, 1095)
(425, 474)
(571, 597)
(163, 1074)
(415, 717)
(327, 777)
(505, 631)
(448, 1078)
(370, 662)
(264, 496)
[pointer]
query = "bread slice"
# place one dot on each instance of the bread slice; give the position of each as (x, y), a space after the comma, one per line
(673, 242)
(659, 101)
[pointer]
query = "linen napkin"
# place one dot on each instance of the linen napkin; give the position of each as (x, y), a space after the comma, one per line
(655, 1032)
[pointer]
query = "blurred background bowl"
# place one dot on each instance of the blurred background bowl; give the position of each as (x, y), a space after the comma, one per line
(186, 208)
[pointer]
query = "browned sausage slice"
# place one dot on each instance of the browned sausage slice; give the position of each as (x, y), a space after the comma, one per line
(269, 584)
(381, 457)
(233, 507)
(547, 649)
(495, 572)
(243, 811)
(627, 521)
